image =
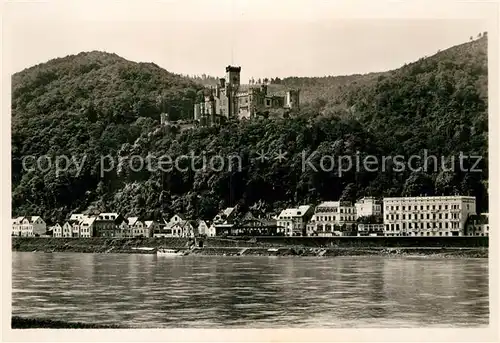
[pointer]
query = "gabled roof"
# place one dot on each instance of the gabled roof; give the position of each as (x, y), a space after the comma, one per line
(228, 211)
(117, 220)
(479, 219)
(294, 212)
(132, 220)
(225, 213)
(17, 220)
(88, 220)
(248, 216)
(179, 215)
(329, 204)
(148, 223)
(77, 216)
(30, 219)
(111, 214)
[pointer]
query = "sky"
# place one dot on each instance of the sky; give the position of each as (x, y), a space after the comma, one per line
(267, 39)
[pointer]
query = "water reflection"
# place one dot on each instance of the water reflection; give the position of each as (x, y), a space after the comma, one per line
(201, 291)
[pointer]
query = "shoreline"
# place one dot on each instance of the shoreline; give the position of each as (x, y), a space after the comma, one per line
(239, 247)
(309, 252)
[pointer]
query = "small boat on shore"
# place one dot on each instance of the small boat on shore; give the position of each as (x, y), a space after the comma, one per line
(143, 249)
(169, 252)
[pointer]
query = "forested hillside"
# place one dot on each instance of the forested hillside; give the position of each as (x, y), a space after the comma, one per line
(96, 104)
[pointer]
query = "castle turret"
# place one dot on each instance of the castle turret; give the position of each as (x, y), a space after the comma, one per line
(292, 98)
(232, 87)
(233, 76)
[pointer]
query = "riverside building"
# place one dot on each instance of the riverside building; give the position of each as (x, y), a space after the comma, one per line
(478, 225)
(332, 218)
(293, 221)
(367, 207)
(427, 216)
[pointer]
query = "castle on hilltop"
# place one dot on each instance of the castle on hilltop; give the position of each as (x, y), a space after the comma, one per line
(229, 99)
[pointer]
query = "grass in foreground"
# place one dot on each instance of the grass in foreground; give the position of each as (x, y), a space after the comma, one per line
(39, 323)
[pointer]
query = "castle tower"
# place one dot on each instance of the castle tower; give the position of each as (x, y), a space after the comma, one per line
(292, 98)
(232, 87)
(233, 76)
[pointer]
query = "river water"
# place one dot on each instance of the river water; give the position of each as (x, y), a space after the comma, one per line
(257, 292)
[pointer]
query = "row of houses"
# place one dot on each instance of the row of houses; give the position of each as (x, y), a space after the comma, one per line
(403, 216)
(395, 216)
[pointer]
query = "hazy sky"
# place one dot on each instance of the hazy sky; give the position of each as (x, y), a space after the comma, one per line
(195, 37)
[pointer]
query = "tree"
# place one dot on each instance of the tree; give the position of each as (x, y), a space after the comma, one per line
(438, 103)
(349, 193)
(418, 184)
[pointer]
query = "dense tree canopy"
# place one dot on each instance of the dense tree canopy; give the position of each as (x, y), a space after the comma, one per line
(97, 104)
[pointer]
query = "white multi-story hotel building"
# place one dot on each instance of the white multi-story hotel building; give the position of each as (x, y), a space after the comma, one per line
(294, 220)
(427, 216)
(368, 206)
(332, 218)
